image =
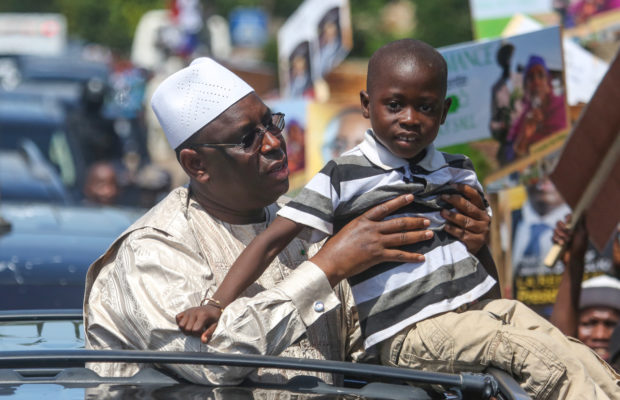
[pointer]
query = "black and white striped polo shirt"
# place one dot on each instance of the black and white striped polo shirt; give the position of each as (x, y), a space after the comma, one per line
(392, 296)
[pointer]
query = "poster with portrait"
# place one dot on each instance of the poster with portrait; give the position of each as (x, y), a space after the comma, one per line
(295, 134)
(583, 70)
(510, 90)
(333, 128)
(527, 228)
(312, 41)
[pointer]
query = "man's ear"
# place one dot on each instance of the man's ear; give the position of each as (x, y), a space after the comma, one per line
(365, 101)
(446, 107)
(194, 164)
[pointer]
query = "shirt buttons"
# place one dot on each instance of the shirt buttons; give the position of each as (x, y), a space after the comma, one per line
(319, 306)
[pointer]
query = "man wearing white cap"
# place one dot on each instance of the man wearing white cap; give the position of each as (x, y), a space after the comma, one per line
(599, 313)
(231, 146)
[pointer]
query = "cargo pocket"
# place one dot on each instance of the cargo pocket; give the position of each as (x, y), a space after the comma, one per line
(536, 367)
(428, 347)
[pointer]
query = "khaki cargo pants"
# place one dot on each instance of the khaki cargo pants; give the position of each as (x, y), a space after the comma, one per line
(508, 335)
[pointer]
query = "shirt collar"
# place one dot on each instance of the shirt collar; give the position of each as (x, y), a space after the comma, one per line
(380, 156)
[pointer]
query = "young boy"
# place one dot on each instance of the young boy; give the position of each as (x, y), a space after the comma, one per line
(406, 104)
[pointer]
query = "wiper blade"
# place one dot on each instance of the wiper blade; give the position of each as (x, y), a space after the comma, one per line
(41, 315)
(483, 385)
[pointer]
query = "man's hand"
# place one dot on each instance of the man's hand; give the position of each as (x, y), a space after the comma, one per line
(369, 240)
(470, 223)
(199, 321)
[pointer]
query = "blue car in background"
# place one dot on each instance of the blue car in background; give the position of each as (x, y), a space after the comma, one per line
(48, 240)
(46, 249)
(42, 120)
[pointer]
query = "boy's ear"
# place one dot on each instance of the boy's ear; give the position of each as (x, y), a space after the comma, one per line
(446, 106)
(194, 164)
(365, 101)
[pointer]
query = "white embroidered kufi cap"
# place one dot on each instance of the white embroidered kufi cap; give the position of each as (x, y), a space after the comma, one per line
(194, 96)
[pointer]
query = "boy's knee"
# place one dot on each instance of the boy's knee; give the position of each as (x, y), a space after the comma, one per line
(536, 367)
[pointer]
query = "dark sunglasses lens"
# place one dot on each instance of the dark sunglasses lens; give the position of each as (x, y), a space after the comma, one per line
(248, 140)
(277, 123)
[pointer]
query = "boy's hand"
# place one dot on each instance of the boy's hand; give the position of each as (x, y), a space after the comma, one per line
(470, 222)
(199, 321)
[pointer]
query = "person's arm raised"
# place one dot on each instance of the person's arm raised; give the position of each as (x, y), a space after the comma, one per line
(565, 314)
(369, 240)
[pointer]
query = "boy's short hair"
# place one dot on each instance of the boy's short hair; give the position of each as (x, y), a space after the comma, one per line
(398, 50)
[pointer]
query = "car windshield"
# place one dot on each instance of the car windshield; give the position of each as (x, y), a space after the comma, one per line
(42, 124)
(26, 179)
(41, 335)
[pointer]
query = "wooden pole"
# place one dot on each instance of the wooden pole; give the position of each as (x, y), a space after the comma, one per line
(592, 190)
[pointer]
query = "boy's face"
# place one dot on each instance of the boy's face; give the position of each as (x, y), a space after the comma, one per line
(406, 106)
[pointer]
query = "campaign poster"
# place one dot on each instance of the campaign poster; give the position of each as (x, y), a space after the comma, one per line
(510, 90)
(312, 41)
(583, 70)
(333, 128)
(535, 208)
(295, 134)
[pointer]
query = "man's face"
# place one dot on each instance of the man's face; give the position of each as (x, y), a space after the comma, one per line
(351, 130)
(242, 180)
(406, 106)
(596, 325)
(543, 196)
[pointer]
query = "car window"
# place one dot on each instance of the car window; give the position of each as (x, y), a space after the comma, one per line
(26, 176)
(60, 155)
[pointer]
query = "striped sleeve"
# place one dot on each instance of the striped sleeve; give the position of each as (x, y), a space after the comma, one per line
(314, 206)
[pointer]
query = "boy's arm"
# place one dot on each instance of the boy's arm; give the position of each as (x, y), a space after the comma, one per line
(253, 261)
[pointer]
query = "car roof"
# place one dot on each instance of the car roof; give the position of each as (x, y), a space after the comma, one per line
(59, 77)
(30, 107)
(47, 348)
(46, 249)
(67, 68)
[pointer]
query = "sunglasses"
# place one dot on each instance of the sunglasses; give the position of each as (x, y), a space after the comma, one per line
(252, 141)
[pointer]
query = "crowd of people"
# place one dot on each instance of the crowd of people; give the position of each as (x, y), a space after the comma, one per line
(111, 130)
(219, 264)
